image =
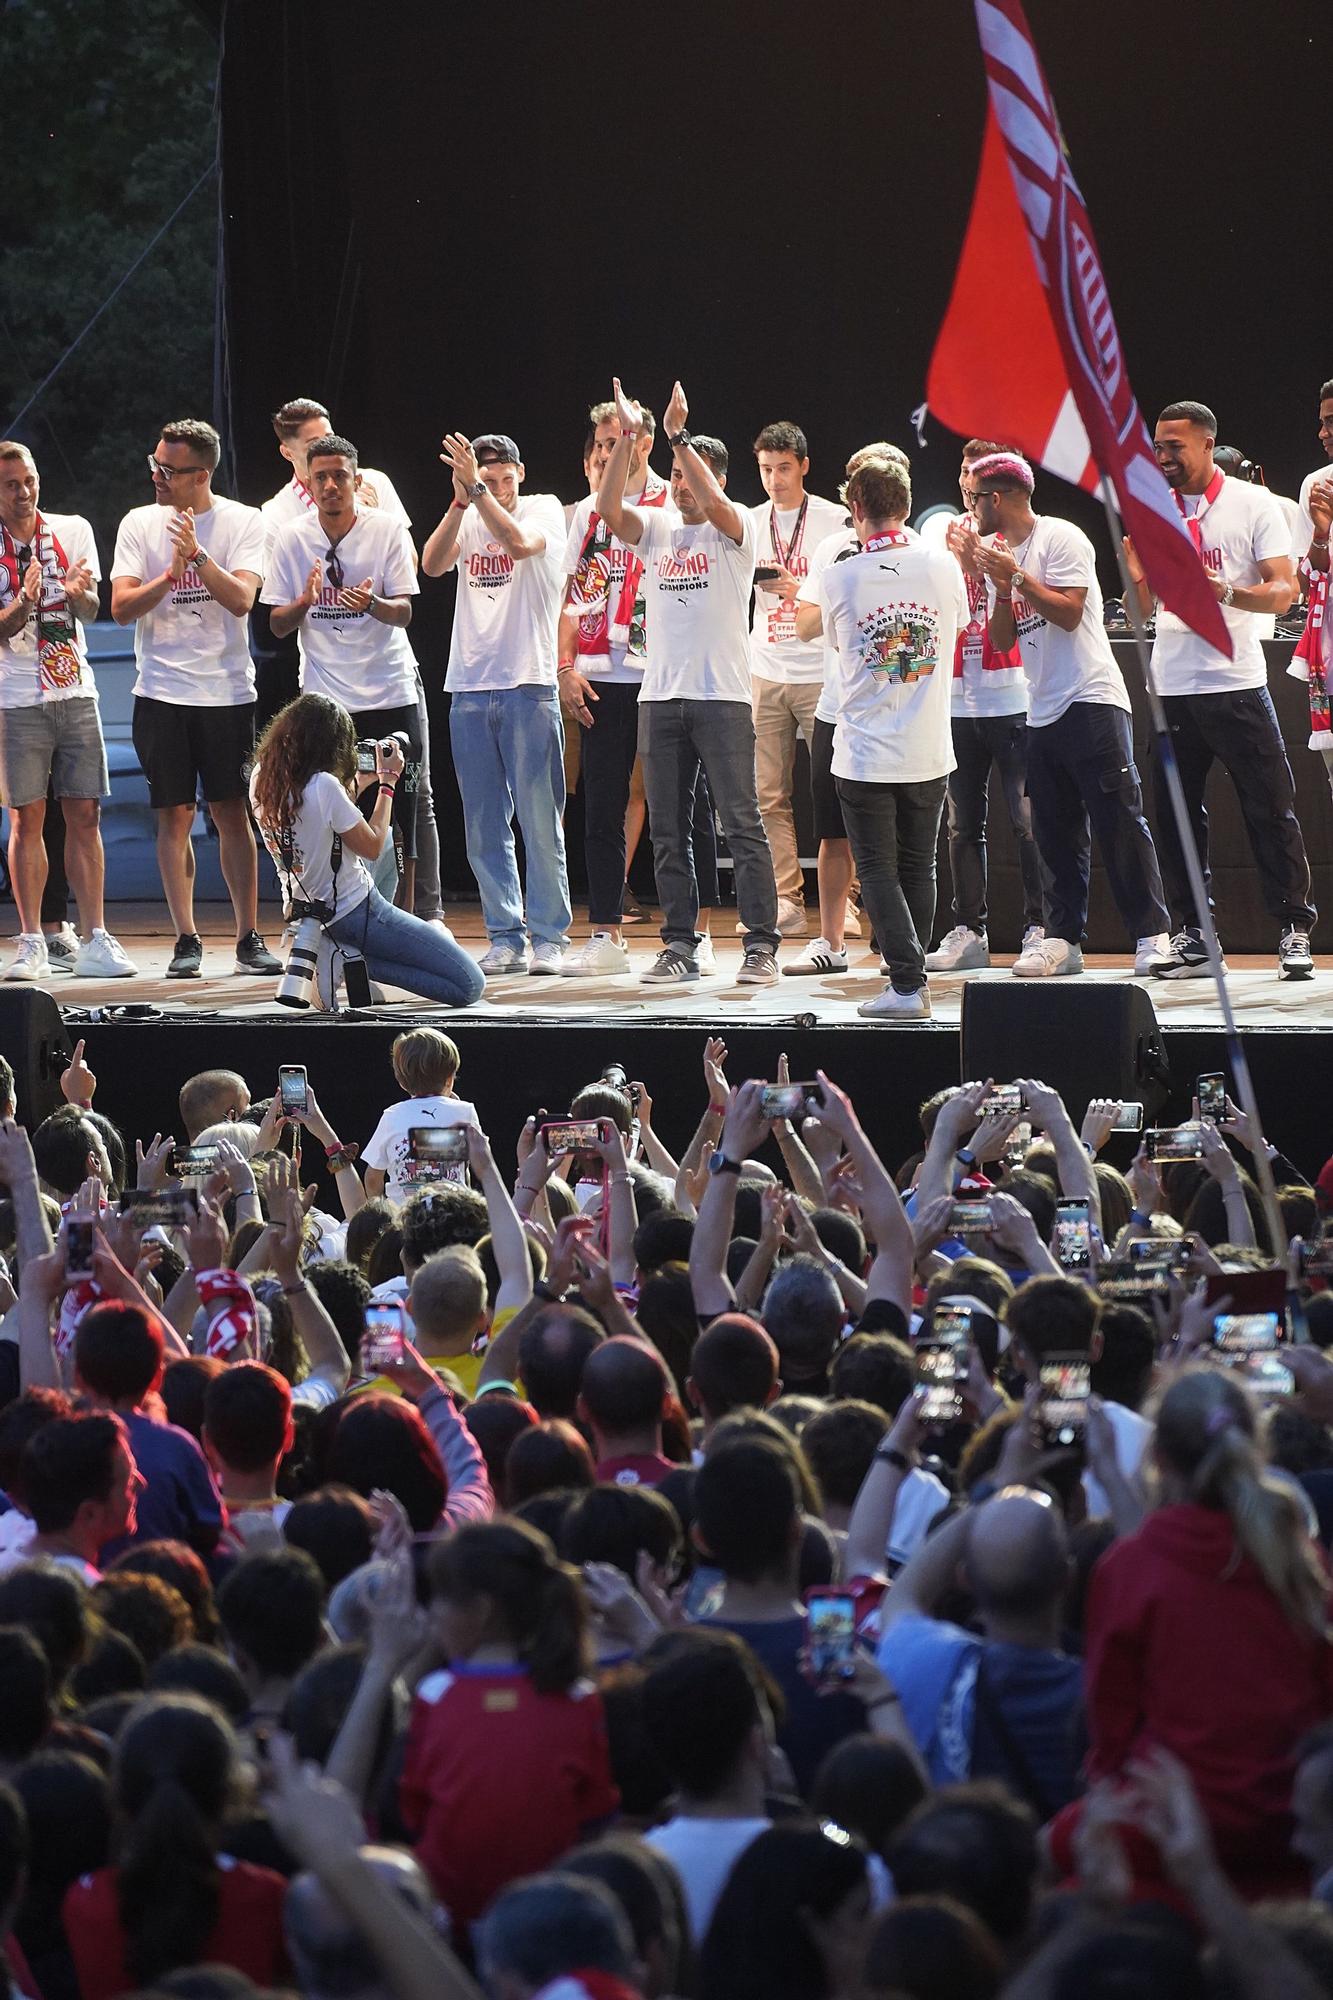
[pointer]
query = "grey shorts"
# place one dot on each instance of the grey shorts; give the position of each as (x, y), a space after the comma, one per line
(56, 742)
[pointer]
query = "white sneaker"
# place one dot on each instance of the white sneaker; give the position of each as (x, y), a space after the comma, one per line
(503, 958)
(891, 1005)
(792, 920)
(62, 948)
(704, 956)
(851, 922)
(1152, 954)
(30, 960)
(1032, 935)
(819, 956)
(961, 950)
(600, 958)
(548, 958)
(1048, 958)
(102, 957)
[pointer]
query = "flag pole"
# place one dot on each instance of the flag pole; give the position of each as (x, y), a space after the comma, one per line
(1165, 751)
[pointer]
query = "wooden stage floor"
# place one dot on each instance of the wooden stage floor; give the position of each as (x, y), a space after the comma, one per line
(1262, 1001)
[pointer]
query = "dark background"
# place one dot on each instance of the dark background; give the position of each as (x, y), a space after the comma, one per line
(441, 218)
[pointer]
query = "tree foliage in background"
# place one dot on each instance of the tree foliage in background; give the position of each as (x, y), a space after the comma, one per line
(112, 125)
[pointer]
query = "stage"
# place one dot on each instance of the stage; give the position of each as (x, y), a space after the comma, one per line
(531, 1042)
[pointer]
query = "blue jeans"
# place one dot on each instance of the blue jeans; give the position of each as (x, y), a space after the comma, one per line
(402, 950)
(508, 747)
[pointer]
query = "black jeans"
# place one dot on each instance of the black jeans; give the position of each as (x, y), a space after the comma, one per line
(1081, 773)
(894, 831)
(609, 749)
(676, 737)
(1240, 731)
(980, 741)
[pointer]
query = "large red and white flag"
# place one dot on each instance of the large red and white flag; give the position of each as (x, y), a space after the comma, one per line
(1029, 351)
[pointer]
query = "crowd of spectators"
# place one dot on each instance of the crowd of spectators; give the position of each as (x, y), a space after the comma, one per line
(773, 1570)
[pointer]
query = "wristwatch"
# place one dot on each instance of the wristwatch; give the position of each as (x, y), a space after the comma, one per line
(201, 556)
(718, 1163)
(1018, 581)
(477, 488)
(681, 437)
(1228, 593)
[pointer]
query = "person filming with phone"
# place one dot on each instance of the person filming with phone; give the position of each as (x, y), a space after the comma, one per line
(305, 789)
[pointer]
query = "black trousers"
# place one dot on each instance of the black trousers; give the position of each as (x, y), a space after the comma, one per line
(980, 743)
(1082, 780)
(894, 831)
(1240, 731)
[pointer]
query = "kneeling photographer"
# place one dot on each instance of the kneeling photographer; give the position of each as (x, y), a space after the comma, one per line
(301, 789)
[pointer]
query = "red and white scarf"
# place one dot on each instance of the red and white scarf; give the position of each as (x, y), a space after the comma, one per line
(978, 628)
(232, 1319)
(1307, 662)
(58, 661)
(601, 627)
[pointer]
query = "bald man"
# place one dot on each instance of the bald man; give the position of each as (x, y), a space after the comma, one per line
(1007, 1705)
(623, 1396)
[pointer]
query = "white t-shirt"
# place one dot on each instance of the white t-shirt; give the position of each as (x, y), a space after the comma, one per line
(24, 683)
(978, 690)
(776, 654)
(696, 582)
(1063, 667)
(387, 1147)
(606, 658)
(1243, 527)
(892, 616)
(703, 1852)
(507, 612)
(305, 866)
(294, 501)
(348, 655)
(188, 649)
(840, 546)
(1297, 668)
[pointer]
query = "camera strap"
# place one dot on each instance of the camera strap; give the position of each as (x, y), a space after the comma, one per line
(287, 864)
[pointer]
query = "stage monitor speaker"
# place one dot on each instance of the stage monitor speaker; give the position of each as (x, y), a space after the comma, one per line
(34, 1042)
(1086, 1038)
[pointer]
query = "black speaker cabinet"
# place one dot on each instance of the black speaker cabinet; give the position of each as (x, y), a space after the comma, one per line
(1085, 1037)
(34, 1043)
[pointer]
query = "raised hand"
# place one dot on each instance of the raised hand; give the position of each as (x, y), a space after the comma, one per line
(677, 412)
(715, 1057)
(629, 413)
(78, 1084)
(461, 460)
(31, 587)
(314, 584)
(1099, 1122)
(358, 596)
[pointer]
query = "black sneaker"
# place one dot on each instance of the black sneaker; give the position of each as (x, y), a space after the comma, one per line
(253, 955)
(758, 967)
(1293, 955)
(187, 961)
(1187, 959)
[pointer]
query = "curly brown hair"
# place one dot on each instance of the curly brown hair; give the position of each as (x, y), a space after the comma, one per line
(311, 734)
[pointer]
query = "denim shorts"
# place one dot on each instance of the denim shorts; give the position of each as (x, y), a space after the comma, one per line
(55, 742)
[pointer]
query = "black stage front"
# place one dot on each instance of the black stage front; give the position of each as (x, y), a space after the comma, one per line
(513, 1066)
